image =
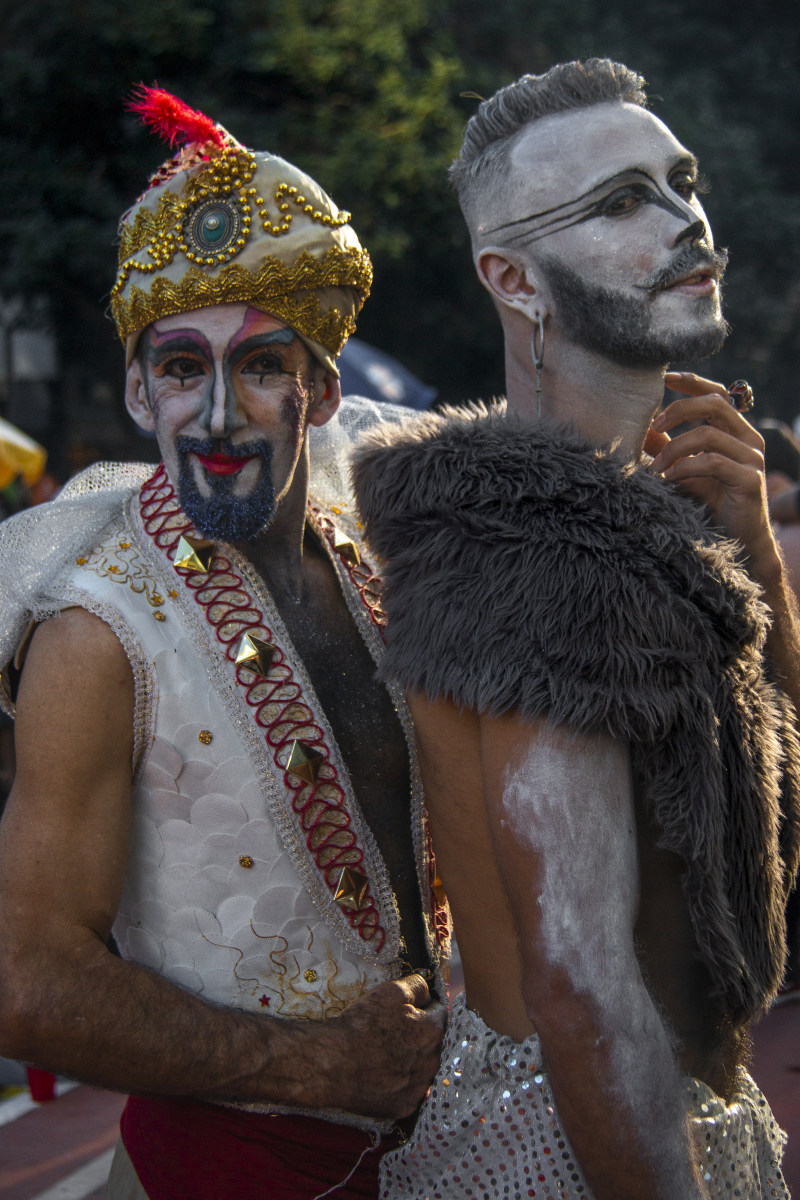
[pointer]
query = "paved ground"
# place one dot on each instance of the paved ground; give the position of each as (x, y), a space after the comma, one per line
(61, 1150)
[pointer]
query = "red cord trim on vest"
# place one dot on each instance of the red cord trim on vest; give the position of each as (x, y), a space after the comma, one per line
(277, 703)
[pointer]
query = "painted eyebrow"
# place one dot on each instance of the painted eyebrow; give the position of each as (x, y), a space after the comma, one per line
(584, 207)
(260, 341)
(159, 345)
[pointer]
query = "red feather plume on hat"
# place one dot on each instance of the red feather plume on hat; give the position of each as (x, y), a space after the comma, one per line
(172, 119)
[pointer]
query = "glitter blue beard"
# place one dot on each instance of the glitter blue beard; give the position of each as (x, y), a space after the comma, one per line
(223, 515)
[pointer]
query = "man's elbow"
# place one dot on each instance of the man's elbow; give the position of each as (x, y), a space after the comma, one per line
(21, 1018)
(32, 973)
(563, 1004)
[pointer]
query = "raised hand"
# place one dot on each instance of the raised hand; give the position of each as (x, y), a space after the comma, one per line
(720, 461)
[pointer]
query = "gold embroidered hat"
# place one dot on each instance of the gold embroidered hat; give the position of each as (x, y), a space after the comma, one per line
(220, 224)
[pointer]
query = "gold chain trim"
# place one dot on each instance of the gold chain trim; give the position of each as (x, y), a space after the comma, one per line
(161, 231)
(147, 226)
(272, 289)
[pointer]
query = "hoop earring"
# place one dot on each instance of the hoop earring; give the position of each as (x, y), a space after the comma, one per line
(537, 354)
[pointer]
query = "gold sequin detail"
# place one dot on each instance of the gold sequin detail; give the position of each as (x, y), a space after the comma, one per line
(81, 562)
(310, 975)
(272, 289)
(245, 861)
(205, 736)
(194, 554)
(351, 889)
(158, 236)
(159, 616)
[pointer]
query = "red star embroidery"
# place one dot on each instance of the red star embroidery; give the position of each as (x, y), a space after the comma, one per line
(263, 1001)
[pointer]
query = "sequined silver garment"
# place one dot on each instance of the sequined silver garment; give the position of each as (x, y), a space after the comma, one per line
(489, 1129)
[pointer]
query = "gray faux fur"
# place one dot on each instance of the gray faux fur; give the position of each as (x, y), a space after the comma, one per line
(524, 569)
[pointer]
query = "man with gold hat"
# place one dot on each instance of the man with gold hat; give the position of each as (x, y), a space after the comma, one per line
(206, 765)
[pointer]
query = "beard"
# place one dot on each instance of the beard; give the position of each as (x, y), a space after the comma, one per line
(222, 514)
(619, 327)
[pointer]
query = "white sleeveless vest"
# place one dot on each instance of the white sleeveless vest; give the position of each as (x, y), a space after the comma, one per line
(236, 861)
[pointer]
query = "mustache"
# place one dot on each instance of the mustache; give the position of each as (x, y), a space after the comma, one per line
(206, 447)
(686, 260)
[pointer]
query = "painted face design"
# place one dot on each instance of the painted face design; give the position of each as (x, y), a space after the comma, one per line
(228, 389)
(616, 196)
(621, 327)
(629, 261)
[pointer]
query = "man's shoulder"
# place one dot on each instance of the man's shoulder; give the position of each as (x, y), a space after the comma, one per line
(81, 636)
(527, 569)
(87, 503)
(40, 544)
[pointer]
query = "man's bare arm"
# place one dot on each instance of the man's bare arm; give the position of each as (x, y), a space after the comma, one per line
(721, 463)
(563, 829)
(68, 1004)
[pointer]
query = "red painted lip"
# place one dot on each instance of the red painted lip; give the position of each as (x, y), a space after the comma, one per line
(222, 464)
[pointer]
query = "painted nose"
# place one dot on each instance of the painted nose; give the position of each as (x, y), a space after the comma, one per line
(223, 413)
(696, 232)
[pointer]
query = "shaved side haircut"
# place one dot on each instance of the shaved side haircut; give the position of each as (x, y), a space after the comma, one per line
(481, 175)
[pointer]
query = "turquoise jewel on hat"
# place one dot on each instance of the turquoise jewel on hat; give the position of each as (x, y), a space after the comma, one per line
(213, 226)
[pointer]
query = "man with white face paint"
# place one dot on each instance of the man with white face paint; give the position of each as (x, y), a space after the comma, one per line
(611, 768)
(206, 763)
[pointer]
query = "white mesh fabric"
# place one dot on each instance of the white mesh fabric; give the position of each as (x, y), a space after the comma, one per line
(331, 446)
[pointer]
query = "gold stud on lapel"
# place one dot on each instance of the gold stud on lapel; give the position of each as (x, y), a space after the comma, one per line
(345, 546)
(304, 762)
(351, 889)
(195, 554)
(254, 652)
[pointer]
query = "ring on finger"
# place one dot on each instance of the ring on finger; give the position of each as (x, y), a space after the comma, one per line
(741, 395)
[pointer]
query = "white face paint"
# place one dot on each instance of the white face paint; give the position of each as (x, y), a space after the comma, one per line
(570, 801)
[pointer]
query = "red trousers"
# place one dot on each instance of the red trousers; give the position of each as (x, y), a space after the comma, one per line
(185, 1150)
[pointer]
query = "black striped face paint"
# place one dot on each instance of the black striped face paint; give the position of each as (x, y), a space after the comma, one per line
(617, 197)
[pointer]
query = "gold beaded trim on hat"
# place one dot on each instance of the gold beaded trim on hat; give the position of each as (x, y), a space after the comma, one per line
(271, 289)
(158, 236)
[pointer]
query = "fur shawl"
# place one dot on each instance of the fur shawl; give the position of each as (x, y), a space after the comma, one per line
(527, 570)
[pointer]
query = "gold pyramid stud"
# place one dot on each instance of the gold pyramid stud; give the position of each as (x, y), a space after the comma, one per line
(304, 762)
(351, 889)
(254, 652)
(345, 546)
(195, 554)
